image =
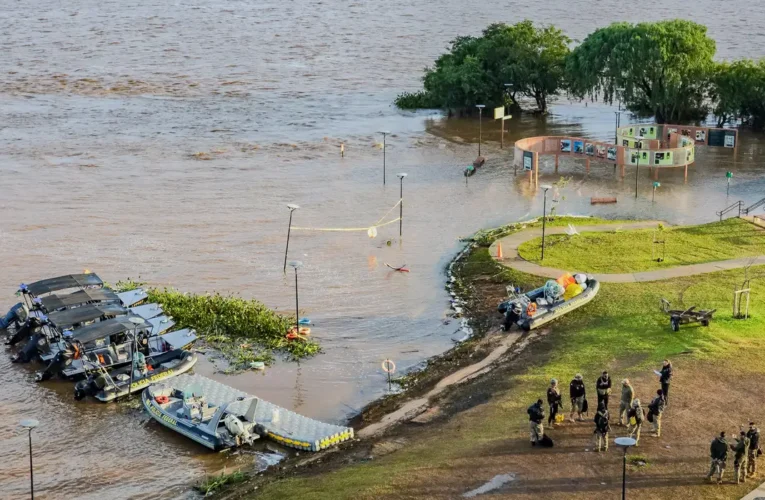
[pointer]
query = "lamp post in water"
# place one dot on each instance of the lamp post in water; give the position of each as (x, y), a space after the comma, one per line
(639, 141)
(625, 443)
(401, 202)
(292, 208)
(296, 264)
(29, 424)
(384, 133)
(545, 188)
(480, 125)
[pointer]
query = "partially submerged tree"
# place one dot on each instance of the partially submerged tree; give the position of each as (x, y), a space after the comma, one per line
(476, 69)
(738, 91)
(658, 69)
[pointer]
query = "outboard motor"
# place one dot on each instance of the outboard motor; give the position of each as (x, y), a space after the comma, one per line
(30, 350)
(90, 386)
(62, 360)
(16, 315)
(31, 326)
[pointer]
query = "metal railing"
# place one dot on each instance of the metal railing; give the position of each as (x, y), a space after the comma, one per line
(736, 206)
(753, 207)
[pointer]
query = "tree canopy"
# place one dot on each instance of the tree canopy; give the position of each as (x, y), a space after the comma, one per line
(738, 91)
(658, 68)
(476, 69)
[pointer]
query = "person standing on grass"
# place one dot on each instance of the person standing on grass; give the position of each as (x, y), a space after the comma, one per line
(754, 448)
(635, 417)
(655, 409)
(602, 427)
(742, 453)
(554, 400)
(603, 386)
(718, 450)
(665, 378)
(578, 394)
(628, 394)
(536, 417)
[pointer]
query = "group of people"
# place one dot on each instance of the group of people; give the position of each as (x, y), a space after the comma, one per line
(746, 450)
(631, 412)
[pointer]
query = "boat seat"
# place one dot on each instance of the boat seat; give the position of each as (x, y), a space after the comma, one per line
(208, 412)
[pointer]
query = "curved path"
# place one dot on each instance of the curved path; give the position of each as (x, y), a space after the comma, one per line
(511, 258)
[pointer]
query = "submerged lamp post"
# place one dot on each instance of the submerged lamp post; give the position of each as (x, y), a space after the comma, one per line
(384, 133)
(401, 203)
(624, 442)
(728, 176)
(292, 208)
(29, 424)
(480, 125)
(545, 188)
(295, 264)
(639, 140)
(656, 184)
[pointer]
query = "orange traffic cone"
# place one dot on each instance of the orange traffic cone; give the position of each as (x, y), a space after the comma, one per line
(499, 251)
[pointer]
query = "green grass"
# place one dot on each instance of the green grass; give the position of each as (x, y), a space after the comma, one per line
(216, 483)
(623, 330)
(630, 251)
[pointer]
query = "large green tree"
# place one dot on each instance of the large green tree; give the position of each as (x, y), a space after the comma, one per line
(475, 70)
(738, 91)
(659, 68)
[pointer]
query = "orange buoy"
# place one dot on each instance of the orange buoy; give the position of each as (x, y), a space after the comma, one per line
(499, 251)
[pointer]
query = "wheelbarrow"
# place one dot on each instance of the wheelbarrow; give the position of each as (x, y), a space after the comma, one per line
(679, 317)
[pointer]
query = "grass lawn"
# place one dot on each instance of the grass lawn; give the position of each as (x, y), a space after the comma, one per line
(719, 369)
(630, 251)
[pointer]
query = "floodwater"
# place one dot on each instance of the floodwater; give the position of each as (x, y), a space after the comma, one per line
(104, 105)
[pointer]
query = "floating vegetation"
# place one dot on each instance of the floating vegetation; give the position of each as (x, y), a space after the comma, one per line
(214, 484)
(244, 331)
(202, 155)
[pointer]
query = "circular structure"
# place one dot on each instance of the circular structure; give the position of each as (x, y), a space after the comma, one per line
(625, 441)
(29, 423)
(650, 145)
(295, 263)
(389, 366)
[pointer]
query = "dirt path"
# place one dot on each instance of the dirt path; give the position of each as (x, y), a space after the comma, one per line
(417, 406)
(511, 258)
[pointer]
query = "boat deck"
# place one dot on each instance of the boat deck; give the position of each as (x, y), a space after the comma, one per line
(288, 428)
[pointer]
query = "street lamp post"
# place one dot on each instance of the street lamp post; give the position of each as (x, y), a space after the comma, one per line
(625, 443)
(296, 264)
(401, 203)
(639, 140)
(656, 184)
(292, 208)
(545, 188)
(384, 134)
(29, 424)
(480, 125)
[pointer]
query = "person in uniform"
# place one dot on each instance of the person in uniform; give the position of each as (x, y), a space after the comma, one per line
(635, 417)
(665, 378)
(536, 417)
(628, 394)
(602, 427)
(742, 453)
(578, 394)
(554, 400)
(754, 448)
(655, 409)
(718, 451)
(603, 386)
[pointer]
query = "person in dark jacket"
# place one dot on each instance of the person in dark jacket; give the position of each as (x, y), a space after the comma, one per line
(578, 394)
(603, 386)
(655, 410)
(754, 448)
(536, 417)
(554, 400)
(718, 451)
(742, 453)
(665, 378)
(602, 427)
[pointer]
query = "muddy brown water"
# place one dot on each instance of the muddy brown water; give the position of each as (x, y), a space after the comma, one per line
(104, 105)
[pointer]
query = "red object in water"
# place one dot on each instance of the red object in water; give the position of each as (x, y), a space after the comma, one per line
(401, 269)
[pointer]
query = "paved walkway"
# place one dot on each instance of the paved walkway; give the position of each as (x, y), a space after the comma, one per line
(511, 258)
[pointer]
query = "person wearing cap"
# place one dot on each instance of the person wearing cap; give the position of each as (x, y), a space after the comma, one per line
(554, 400)
(536, 417)
(718, 451)
(742, 453)
(578, 395)
(602, 427)
(754, 448)
(655, 409)
(603, 387)
(635, 417)
(628, 394)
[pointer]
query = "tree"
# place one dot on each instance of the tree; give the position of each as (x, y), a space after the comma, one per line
(476, 69)
(659, 68)
(738, 91)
